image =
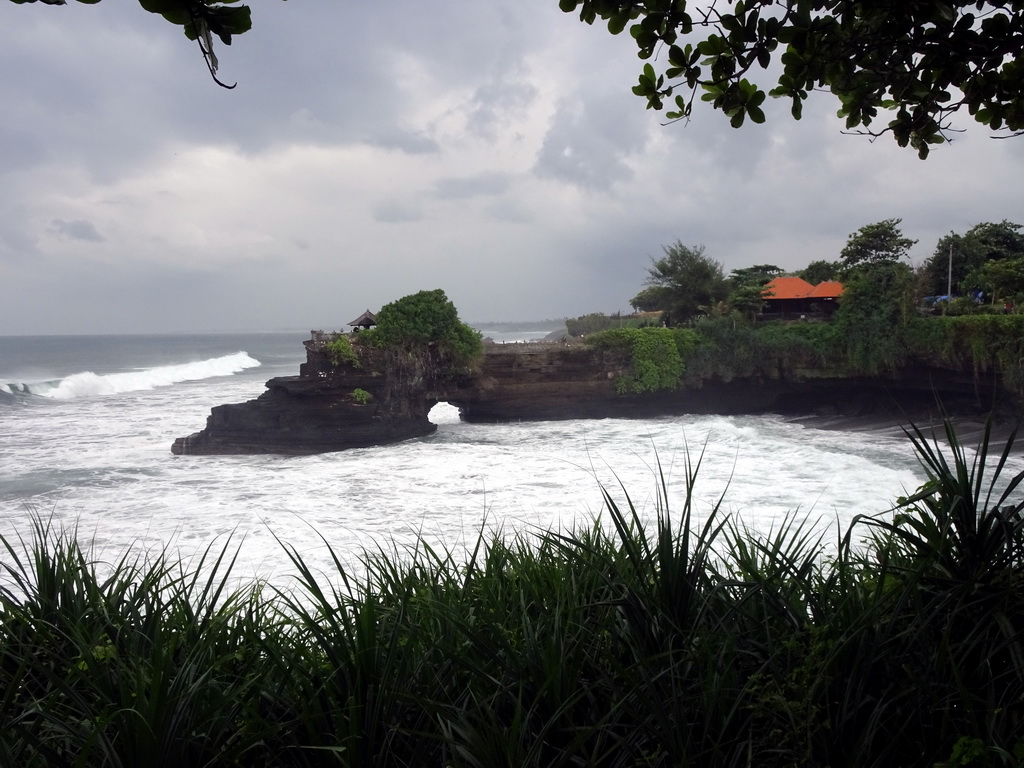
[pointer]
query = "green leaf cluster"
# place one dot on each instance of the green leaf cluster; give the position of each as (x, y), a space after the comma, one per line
(340, 351)
(426, 318)
(876, 305)
(661, 634)
(683, 283)
(201, 21)
(876, 243)
(657, 356)
(918, 63)
(988, 257)
(200, 18)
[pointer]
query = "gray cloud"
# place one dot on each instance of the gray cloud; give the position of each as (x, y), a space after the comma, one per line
(495, 102)
(79, 229)
(484, 184)
(410, 142)
(396, 212)
(588, 143)
(503, 138)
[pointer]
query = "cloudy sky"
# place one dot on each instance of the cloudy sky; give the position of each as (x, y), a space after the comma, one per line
(372, 150)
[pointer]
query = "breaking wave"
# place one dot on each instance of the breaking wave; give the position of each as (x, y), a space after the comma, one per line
(89, 384)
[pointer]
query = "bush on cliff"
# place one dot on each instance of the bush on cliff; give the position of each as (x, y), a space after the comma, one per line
(664, 358)
(596, 322)
(339, 350)
(875, 308)
(866, 341)
(657, 355)
(983, 342)
(421, 319)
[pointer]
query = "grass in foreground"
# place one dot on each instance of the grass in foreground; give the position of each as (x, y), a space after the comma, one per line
(683, 645)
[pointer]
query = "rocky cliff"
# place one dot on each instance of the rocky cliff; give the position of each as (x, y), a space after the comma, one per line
(565, 381)
(387, 395)
(384, 398)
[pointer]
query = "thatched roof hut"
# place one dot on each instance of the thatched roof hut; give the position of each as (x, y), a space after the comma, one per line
(365, 320)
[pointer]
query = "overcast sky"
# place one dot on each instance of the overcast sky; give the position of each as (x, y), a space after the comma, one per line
(372, 150)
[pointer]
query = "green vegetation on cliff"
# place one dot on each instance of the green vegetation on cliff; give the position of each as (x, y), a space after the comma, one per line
(857, 345)
(689, 641)
(877, 327)
(425, 319)
(976, 342)
(339, 350)
(657, 355)
(598, 321)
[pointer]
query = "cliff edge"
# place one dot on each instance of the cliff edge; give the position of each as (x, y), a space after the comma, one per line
(383, 396)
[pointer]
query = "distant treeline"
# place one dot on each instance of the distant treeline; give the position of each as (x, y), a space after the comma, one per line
(598, 321)
(525, 325)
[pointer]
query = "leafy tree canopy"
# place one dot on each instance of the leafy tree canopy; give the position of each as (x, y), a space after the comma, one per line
(201, 20)
(878, 243)
(919, 62)
(970, 253)
(1001, 279)
(746, 289)
(748, 299)
(421, 319)
(877, 302)
(759, 274)
(820, 271)
(681, 283)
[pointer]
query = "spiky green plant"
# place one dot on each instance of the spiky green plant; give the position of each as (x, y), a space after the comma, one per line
(685, 639)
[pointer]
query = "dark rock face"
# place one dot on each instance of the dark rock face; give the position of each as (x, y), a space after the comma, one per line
(322, 410)
(542, 382)
(303, 416)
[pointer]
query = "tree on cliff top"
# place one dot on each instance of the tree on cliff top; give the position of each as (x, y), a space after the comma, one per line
(421, 319)
(971, 252)
(876, 305)
(680, 283)
(878, 243)
(819, 271)
(921, 62)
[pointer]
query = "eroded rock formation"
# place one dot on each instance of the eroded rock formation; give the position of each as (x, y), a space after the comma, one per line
(327, 407)
(388, 396)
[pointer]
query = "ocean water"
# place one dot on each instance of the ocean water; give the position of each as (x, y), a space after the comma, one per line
(86, 425)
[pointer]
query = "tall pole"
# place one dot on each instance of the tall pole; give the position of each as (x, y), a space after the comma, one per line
(949, 279)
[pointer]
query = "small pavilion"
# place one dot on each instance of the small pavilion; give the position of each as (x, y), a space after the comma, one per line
(364, 321)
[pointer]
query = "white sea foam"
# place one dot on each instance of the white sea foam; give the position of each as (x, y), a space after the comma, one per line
(104, 464)
(89, 384)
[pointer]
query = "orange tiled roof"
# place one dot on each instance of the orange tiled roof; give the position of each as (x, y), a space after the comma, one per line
(798, 288)
(830, 289)
(788, 288)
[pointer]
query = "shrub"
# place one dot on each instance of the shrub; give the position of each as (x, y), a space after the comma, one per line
(361, 396)
(424, 318)
(876, 305)
(986, 342)
(598, 321)
(689, 641)
(656, 356)
(340, 351)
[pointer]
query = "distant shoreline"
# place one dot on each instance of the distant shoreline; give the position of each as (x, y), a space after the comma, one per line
(969, 429)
